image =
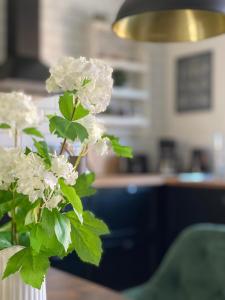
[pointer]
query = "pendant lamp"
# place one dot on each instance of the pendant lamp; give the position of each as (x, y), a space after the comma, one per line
(170, 20)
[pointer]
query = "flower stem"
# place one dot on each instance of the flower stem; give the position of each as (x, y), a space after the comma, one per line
(14, 236)
(77, 162)
(16, 138)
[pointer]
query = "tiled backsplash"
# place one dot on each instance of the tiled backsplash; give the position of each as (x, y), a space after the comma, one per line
(63, 26)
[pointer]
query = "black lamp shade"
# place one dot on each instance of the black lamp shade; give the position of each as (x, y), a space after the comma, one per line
(170, 20)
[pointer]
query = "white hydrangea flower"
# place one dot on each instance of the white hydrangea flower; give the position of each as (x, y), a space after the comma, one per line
(66, 75)
(63, 169)
(50, 180)
(8, 160)
(103, 146)
(96, 95)
(31, 174)
(53, 201)
(19, 111)
(69, 74)
(94, 128)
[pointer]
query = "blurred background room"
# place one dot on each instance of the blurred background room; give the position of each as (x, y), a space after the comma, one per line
(168, 103)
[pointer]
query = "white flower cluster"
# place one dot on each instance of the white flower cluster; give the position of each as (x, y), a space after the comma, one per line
(8, 161)
(91, 79)
(95, 131)
(31, 176)
(18, 110)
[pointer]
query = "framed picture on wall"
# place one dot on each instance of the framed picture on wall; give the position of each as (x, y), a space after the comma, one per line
(194, 82)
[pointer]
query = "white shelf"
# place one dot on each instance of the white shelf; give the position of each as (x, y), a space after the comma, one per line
(124, 121)
(101, 26)
(130, 94)
(127, 65)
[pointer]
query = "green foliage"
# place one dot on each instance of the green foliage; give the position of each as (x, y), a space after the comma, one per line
(67, 129)
(27, 150)
(71, 195)
(33, 131)
(86, 237)
(62, 229)
(43, 151)
(83, 185)
(80, 112)
(5, 240)
(4, 126)
(86, 81)
(66, 105)
(86, 243)
(43, 236)
(23, 206)
(31, 266)
(95, 225)
(120, 150)
(5, 202)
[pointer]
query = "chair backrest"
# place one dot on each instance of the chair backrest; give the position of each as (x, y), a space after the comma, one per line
(193, 269)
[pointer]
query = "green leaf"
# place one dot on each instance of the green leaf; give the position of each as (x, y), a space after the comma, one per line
(27, 150)
(4, 126)
(24, 239)
(86, 81)
(37, 236)
(80, 112)
(5, 202)
(120, 150)
(43, 237)
(5, 240)
(15, 262)
(23, 205)
(66, 105)
(67, 129)
(87, 245)
(62, 128)
(31, 215)
(42, 150)
(81, 131)
(62, 229)
(83, 185)
(6, 227)
(33, 131)
(34, 269)
(95, 225)
(71, 195)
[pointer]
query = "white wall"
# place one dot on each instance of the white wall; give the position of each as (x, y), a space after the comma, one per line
(64, 27)
(195, 129)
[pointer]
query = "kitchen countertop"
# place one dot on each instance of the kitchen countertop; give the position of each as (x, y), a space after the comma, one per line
(119, 181)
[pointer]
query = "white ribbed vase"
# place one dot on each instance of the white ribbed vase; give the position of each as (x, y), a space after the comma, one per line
(12, 288)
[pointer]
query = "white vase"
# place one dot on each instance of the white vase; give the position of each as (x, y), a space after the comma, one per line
(13, 288)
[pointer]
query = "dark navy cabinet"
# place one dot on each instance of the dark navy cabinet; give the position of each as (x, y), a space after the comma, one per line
(184, 206)
(130, 251)
(143, 223)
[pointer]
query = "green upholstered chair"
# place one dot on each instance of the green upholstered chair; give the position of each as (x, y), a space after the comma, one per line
(193, 269)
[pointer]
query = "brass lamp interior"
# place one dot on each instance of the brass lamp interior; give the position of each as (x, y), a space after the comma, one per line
(177, 25)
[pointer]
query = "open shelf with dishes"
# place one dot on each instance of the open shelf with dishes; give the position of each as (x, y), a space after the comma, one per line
(129, 107)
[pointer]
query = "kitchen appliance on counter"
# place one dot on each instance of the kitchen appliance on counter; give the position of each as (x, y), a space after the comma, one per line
(138, 164)
(168, 159)
(199, 161)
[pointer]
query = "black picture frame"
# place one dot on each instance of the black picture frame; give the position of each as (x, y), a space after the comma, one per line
(194, 82)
